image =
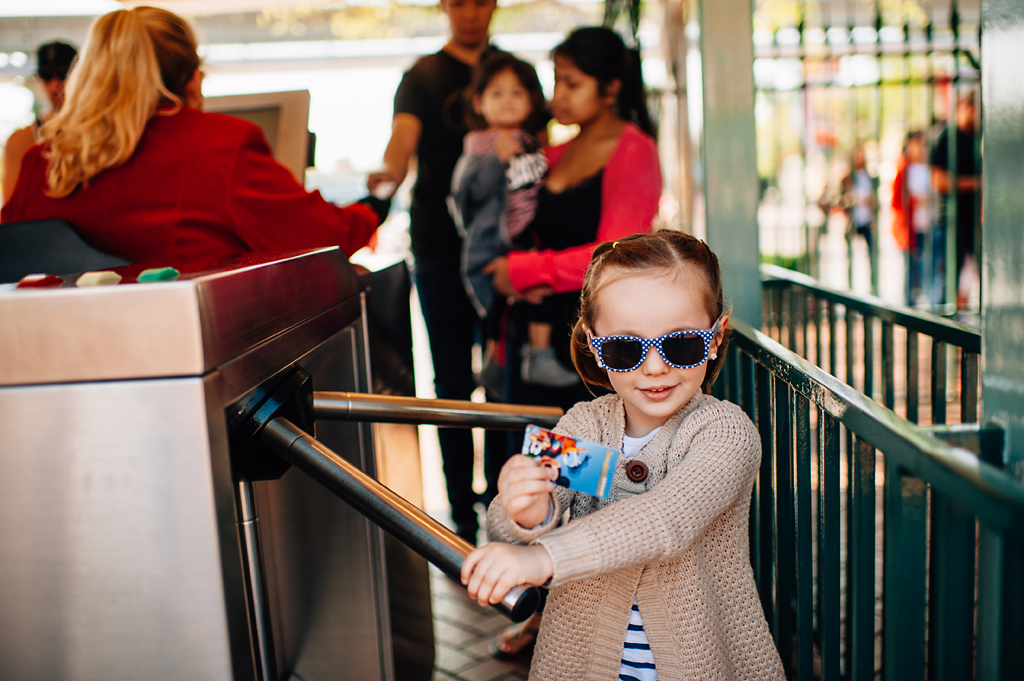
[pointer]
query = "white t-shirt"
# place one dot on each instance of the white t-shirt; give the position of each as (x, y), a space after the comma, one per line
(637, 659)
(919, 187)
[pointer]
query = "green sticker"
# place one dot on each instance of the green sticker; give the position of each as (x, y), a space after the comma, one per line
(157, 274)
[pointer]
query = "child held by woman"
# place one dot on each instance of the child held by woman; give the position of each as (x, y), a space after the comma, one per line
(494, 197)
(655, 581)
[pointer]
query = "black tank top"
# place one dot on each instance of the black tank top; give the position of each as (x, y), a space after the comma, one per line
(563, 220)
(570, 217)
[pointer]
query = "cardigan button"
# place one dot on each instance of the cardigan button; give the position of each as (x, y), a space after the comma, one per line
(636, 471)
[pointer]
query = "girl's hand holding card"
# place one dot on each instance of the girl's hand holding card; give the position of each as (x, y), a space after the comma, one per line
(524, 488)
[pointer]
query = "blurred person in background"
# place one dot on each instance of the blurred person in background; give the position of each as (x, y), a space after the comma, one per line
(967, 191)
(431, 118)
(54, 62)
(145, 175)
(859, 200)
(912, 213)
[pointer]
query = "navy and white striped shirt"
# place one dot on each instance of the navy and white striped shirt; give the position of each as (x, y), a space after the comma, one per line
(637, 659)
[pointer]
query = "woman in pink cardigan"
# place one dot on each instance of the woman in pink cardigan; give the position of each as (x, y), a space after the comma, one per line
(602, 185)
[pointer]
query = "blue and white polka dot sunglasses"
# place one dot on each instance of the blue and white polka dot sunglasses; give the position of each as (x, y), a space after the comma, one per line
(679, 349)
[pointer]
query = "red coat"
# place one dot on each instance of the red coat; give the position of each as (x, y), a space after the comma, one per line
(198, 185)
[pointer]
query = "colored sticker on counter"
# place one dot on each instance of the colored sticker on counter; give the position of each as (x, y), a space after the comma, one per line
(40, 281)
(102, 278)
(158, 274)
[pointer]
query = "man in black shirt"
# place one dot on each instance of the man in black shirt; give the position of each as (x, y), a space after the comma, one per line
(968, 186)
(430, 121)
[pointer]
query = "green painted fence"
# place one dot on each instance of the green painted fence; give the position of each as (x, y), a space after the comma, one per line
(951, 528)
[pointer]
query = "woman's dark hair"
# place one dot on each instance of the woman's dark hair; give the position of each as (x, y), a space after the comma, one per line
(667, 253)
(493, 62)
(600, 53)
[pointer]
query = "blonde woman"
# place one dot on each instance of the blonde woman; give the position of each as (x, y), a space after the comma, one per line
(145, 175)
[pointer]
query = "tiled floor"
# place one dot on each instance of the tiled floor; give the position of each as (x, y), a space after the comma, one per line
(462, 632)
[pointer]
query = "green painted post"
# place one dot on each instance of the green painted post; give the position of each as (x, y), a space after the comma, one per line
(730, 163)
(904, 576)
(1003, 264)
(1001, 560)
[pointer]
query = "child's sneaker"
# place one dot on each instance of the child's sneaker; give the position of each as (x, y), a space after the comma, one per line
(492, 379)
(541, 367)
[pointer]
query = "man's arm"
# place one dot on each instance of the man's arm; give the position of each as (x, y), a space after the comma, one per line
(964, 183)
(405, 137)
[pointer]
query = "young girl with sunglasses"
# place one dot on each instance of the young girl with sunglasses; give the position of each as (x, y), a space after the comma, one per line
(655, 581)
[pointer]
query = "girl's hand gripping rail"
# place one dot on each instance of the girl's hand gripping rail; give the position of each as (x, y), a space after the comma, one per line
(408, 524)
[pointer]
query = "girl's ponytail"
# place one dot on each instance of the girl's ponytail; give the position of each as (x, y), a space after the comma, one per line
(632, 98)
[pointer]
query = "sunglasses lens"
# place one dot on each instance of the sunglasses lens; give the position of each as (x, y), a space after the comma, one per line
(684, 350)
(621, 354)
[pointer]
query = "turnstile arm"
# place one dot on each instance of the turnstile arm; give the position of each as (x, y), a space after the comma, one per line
(393, 513)
(454, 413)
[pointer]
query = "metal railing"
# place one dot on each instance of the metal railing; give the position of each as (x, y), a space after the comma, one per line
(951, 525)
(803, 314)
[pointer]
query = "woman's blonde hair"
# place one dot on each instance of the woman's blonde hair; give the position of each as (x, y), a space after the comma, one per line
(665, 252)
(133, 60)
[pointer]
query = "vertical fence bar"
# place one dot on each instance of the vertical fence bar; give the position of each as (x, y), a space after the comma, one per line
(804, 541)
(805, 351)
(784, 536)
(913, 379)
(818, 359)
(950, 591)
(748, 403)
(888, 367)
(763, 385)
(938, 382)
(860, 578)
(747, 400)
(868, 325)
(792, 305)
(733, 379)
(848, 323)
(766, 308)
(828, 544)
(905, 576)
(778, 311)
(969, 388)
(832, 351)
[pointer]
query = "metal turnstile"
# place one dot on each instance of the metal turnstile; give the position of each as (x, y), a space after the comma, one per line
(147, 530)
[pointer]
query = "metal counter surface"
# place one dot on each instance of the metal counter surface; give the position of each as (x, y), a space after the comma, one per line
(186, 327)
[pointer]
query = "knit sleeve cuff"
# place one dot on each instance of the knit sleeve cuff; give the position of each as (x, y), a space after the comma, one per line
(572, 555)
(502, 528)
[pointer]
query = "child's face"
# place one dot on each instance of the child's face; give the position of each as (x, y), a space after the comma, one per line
(577, 97)
(505, 103)
(649, 306)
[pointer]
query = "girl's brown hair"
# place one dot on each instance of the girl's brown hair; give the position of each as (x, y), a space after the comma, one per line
(666, 252)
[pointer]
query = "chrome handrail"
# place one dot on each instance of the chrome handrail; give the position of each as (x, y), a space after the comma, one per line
(346, 406)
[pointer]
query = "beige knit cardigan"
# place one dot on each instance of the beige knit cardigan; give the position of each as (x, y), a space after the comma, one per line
(677, 542)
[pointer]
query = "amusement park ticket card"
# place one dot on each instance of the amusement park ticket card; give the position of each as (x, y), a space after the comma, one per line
(582, 466)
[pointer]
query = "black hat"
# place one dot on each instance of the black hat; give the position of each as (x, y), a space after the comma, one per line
(55, 59)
